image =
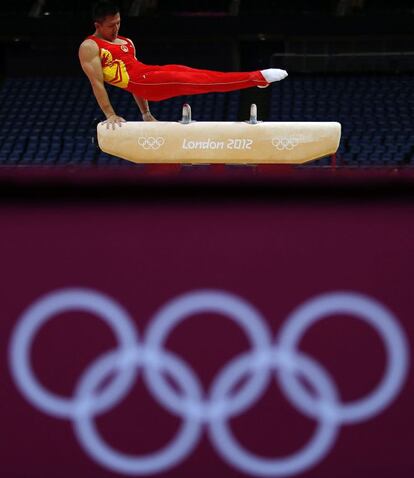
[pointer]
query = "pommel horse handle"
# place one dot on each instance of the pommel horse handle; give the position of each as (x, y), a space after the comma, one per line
(253, 114)
(186, 119)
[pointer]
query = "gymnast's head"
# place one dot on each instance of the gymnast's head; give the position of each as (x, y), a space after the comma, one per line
(107, 20)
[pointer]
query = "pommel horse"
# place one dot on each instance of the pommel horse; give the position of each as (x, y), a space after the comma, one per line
(191, 142)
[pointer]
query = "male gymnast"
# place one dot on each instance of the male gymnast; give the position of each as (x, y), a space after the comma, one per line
(107, 57)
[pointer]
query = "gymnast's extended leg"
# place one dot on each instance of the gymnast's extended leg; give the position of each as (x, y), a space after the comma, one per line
(161, 82)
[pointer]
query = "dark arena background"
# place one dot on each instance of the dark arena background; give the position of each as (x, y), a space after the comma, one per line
(209, 320)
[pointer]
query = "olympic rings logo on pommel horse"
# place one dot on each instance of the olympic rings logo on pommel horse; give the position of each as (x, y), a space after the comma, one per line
(285, 143)
(280, 359)
(150, 142)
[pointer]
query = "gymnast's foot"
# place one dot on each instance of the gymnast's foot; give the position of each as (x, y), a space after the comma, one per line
(273, 74)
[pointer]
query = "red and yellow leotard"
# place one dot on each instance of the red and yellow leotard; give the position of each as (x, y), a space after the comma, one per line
(117, 60)
(153, 82)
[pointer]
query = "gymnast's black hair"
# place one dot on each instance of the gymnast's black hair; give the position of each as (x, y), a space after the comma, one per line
(103, 9)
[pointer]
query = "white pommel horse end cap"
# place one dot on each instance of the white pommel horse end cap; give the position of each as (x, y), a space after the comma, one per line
(220, 142)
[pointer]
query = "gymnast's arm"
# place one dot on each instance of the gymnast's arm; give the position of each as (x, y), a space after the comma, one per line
(91, 65)
(144, 108)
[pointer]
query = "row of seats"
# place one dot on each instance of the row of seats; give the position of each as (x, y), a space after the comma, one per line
(53, 120)
(376, 113)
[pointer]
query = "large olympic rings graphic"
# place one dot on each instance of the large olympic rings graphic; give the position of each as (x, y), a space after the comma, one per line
(267, 359)
(285, 143)
(148, 142)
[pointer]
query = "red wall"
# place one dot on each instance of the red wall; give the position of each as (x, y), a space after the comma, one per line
(274, 256)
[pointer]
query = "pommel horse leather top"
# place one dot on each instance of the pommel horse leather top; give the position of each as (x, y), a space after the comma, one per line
(251, 142)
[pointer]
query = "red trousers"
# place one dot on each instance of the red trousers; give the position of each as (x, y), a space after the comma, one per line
(161, 82)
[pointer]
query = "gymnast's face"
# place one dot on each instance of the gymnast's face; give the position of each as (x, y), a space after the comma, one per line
(108, 28)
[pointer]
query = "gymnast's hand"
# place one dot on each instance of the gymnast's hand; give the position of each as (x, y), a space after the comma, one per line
(114, 120)
(148, 117)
